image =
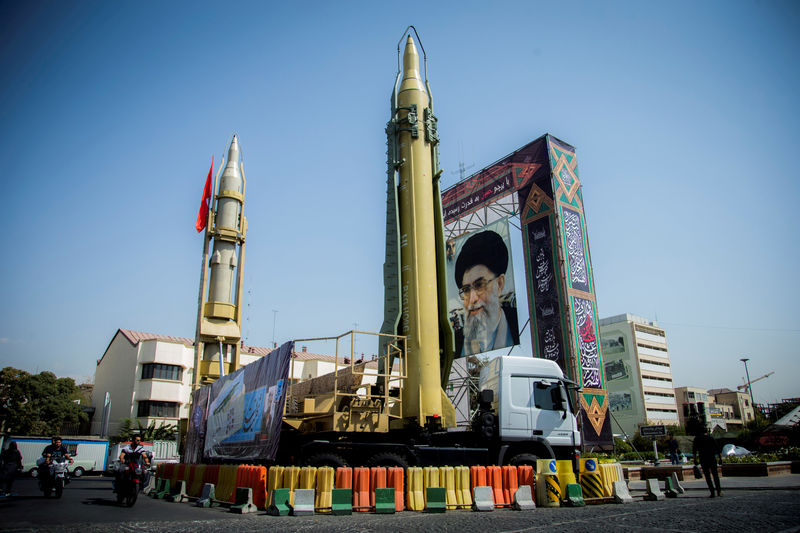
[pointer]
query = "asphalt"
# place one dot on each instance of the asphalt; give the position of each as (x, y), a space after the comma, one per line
(748, 504)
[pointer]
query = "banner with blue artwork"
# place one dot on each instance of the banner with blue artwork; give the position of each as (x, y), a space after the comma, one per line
(239, 416)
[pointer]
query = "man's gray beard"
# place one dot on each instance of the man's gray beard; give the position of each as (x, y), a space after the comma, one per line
(477, 331)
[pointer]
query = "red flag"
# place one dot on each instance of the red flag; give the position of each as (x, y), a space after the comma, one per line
(205, 203)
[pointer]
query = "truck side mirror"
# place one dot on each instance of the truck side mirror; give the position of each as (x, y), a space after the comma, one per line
(486, 397)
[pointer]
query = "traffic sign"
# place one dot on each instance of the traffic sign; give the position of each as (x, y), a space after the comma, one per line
(653, 431)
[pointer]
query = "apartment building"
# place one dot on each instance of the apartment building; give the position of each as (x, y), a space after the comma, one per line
(638, 373)
(717, 415)
(148, 377)
(740, 409)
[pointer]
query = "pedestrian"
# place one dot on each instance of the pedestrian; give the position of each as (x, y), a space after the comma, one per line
(706, 449)
(674, 450)
(11, 464)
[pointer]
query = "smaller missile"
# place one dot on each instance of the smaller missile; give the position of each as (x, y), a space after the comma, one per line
(220, 313)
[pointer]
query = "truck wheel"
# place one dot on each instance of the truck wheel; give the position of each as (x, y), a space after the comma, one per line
(326, 459)
(388, 459)
(78, 472)
(524, 459)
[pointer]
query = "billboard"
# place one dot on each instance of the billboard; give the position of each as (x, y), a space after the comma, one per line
(239, 416)
(561, 292)
(481, 298)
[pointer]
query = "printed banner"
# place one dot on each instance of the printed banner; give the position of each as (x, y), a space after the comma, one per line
(482, 302)
(545, 302)
(239, 416)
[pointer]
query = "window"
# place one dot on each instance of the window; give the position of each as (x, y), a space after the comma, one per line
(158, 409)
(161, 371)
(545, 395)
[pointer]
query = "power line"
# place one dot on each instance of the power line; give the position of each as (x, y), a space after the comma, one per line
(735, 328)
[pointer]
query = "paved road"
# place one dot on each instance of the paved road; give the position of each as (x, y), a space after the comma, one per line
(88, 507)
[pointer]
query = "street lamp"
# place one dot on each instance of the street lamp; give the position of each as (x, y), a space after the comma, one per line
(749, 388)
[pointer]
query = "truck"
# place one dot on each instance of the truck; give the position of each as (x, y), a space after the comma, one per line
(524, 413)
(89, 454)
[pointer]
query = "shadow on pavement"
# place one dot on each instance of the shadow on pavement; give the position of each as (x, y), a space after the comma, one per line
(101, 501)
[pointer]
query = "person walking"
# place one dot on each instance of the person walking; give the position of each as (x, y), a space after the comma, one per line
(11, 464)
(706, 449)
(674, 450)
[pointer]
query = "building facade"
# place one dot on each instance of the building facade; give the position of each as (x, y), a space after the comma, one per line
(638, 373)
(148, 378)
(740, 409)
(717, 415)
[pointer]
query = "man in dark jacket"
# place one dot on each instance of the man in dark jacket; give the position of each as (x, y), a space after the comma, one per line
(705, 448)
(12, 463)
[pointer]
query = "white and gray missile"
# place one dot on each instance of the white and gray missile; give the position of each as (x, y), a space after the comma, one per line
(219, 314)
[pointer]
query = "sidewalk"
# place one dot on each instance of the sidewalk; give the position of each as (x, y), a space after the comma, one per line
(779, 482)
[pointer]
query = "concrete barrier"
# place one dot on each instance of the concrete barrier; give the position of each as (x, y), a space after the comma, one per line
(482, 499)
(342, 502)
(621, 493)
(384, 500)
(676, 484)
(207, 496)
(244, 501)
(279, 506)
(523, 499)
(653, 491)
(150, 486)
(178, 494)
(574, 496)
(303, 502)
(435, 499)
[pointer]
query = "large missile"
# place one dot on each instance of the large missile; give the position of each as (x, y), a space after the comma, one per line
(416, 308)
(220, 313)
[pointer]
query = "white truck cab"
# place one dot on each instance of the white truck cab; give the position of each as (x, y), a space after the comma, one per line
(532, 403)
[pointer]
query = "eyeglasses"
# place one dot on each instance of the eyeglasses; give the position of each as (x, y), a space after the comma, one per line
(479, 285)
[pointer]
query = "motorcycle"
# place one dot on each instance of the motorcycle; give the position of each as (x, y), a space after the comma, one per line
(130, 479)
(58, 476)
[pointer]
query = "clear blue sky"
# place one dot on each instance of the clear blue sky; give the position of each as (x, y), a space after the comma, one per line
(684, 115)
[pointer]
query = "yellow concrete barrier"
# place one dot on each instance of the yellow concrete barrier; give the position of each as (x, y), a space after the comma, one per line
(196, 487)
(274, 481)
(308, 477)
(324, 487)
(415, 498)
(291, 481)
(447, 475)
(431, 479)
(463, 491)
(225, 490)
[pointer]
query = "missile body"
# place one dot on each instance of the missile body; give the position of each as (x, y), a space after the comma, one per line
(219, 315)
(412, 140)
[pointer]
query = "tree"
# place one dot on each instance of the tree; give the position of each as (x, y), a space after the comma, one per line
(37, 404)
(149, 433)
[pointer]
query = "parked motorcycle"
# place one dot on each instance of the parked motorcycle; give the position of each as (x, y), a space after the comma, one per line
(130, 479)
(58, 476)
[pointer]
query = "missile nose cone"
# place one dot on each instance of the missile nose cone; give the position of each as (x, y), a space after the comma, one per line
(410, 60)
(233, 151)
(411, 78)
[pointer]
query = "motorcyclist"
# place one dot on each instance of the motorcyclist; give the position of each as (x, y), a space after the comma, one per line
(134, 447)
(54, 450)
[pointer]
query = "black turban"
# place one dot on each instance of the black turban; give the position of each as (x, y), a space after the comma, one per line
(484, 248)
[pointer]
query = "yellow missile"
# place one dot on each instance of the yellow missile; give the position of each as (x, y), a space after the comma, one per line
(412, 140)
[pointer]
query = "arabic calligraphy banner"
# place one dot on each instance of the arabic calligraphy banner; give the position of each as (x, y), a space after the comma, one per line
(239, 416)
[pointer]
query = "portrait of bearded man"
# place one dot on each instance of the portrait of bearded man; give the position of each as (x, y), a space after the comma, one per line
(480, 274)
